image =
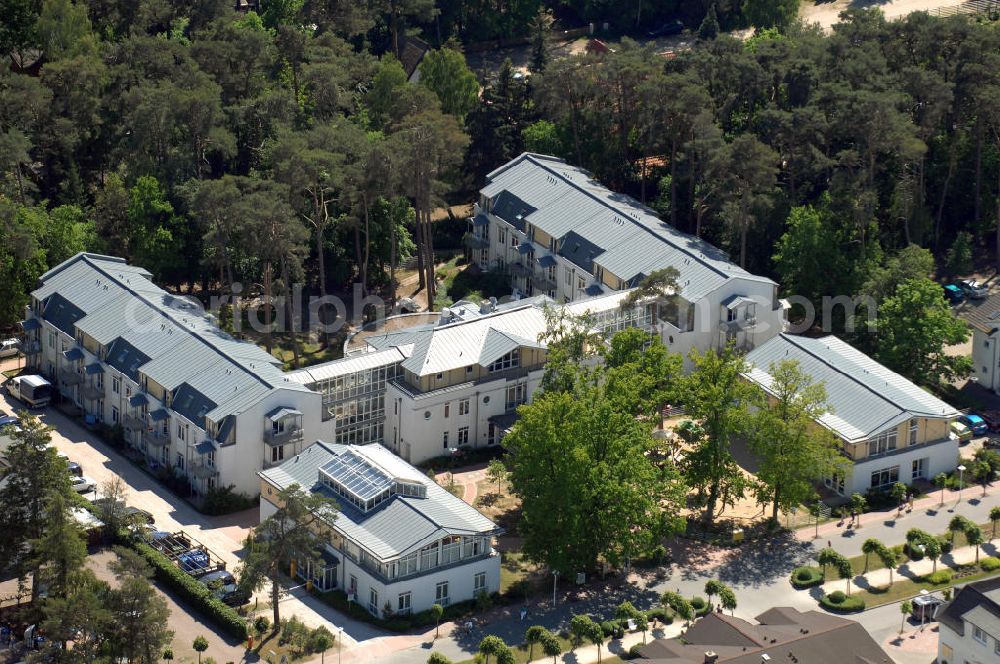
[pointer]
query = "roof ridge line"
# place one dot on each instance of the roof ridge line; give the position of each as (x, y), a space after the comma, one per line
(634, 221)
(164, 314)
(839, 371)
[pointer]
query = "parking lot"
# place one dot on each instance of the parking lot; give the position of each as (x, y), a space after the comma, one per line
(223, 535)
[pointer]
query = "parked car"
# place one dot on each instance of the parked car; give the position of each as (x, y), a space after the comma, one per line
(223, 586)
(83, 484)
(954, 294)
(75, 469)
(129, 513)
(963, 432)
(9, 348)
(667, 29)
(973, 289)
(975, 423)
(8, 421)
(992, 418)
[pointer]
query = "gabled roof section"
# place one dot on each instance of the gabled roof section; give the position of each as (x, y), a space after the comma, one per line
(982, 595)
(511, 209)
(498, 343)
(625, 237)
(464, 343)
(62, 313)
(170, 336)
(400, 525)
(986, 316)
(865, 398)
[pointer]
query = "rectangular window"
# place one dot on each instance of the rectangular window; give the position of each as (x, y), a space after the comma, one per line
(501, 235)
(403, 606)
(479, 582)
(180, 461)
(52, 339)
(883, 479)
(516, 395)
(180, 431)
(913, 431)
(373, 601)
(463, 435)
(884, 443)
(979, 635)
(580, 283)
(509, 361)
(444, 440)
(277, 453)
(114, 414)
(919, 469)
(116, 385)
(513, 240)
(447, 406)
(463, 407)
(441, 593)
(569, 278)
(731, 315)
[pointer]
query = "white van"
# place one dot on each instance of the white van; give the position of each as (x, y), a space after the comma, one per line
(9, 348)
(33, 390)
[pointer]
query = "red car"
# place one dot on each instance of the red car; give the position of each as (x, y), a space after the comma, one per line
(992, 419)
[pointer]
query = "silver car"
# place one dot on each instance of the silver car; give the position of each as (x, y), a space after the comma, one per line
(974, 290)
(9, 348)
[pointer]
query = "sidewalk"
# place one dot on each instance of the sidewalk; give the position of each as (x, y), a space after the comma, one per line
(880, 577)
(890, 527)
(588, 654)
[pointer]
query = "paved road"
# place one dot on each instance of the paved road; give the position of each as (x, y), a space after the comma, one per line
(223, 535)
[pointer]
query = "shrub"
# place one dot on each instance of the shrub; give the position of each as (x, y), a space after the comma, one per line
(261, 624)
(940, 577)
(195, 593)
(807, 577)
(633, 652)
(946, 545)
(613, 629)
(700, 606)
(659, 614)
(846, 604)
(226, 501)
(990, 564)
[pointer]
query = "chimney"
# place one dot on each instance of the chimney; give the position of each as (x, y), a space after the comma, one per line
(711, 657)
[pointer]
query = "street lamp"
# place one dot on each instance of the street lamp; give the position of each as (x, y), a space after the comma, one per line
(555, 577)
(961, 473)
(452, 451)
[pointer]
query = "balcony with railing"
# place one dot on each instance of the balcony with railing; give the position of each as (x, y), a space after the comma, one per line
(291, 434)
(69, 377)
(543, 281)
(156, 439)
(520, 270)
(474, 241)
(92, 392)
(134, 423)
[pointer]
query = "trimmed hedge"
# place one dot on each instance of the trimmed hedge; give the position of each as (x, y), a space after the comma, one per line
(806, 577)
(700, 606)
(660, 614)
(838, 602)
(940, 577)
(192, 591)
(990, 564)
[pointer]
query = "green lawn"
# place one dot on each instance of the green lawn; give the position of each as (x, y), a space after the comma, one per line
(459, 281)
(907, 588)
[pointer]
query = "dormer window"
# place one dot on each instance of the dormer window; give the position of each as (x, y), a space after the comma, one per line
(509, 361)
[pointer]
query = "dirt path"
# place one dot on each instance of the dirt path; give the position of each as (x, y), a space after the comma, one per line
(828, 13)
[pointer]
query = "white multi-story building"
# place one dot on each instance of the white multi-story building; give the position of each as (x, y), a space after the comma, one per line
(400, 543)
(188, 396)
(985, 323)
(890, 429)
(556, 231)
(970, 625)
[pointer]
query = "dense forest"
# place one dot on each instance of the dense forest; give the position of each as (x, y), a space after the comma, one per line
(214, 146)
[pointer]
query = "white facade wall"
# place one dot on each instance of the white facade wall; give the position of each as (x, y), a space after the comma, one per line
(422, 587)
(955, 648)
(986, 359)
(416, 436)
(940, 457)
